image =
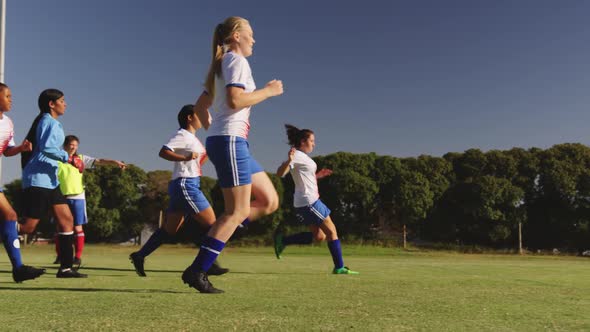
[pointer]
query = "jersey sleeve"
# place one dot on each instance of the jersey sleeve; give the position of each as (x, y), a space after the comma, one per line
(297, 160)
(176, 142)
(11, 143)
(235, 71)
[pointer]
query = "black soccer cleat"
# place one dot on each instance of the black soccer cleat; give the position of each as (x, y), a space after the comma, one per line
(217, 270)
(25, 272)
(69, 273)
(199, 281)
(57, 260)
(138, 261)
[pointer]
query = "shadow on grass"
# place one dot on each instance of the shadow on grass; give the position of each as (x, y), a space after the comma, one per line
(269, 273)
(84, 268)
(87, 290)
(90, 268)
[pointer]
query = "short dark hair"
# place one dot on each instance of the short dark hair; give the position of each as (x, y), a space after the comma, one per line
(183, 115)
(70, 138)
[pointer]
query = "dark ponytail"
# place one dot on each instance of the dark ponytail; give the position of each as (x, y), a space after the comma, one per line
(296, 135)
(44, 98)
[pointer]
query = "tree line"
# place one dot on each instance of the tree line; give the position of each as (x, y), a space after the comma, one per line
(469, 198)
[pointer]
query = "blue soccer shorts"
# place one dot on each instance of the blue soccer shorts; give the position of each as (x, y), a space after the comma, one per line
(232, 160)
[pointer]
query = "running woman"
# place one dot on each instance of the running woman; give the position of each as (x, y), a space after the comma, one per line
(40, 182)
(8, 218)
(230, 90)
(71, 185)
(309, 209)
(186, 198)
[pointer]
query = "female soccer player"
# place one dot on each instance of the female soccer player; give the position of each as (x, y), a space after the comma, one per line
(230, 90)
(309, 208)
(40, 182)
(8, 218)
(186, 198)
(72, 187)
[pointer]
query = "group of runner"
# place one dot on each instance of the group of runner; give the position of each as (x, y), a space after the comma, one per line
(52, 171)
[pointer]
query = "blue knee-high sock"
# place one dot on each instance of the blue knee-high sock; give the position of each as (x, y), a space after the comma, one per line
(299, 238)
(11, 242)
(153, 242)
(210, 249)
(336, 252)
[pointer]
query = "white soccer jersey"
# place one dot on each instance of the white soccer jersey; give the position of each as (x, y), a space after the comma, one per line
(183, 143)
(6, 134)
(235, 71)
(303, 170)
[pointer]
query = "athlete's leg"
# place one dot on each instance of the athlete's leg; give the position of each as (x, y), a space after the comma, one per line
(329, 229)
(65, 222)
(318, 234)
(78, 209)
(237, 207)
(266, 199)
(8, 232)
(206, 218)
(9, 236)
(28, 226)
(80, 239)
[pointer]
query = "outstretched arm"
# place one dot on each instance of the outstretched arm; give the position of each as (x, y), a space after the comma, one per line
(323, 173)
(117, 163)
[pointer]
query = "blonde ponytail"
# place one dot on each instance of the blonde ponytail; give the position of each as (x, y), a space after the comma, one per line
(221, 35)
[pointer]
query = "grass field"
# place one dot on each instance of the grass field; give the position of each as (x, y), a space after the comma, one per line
(396, 291)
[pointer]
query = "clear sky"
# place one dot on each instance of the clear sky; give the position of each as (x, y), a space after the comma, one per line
(401, 78)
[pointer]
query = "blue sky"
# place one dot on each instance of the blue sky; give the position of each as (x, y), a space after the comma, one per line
(401, 78)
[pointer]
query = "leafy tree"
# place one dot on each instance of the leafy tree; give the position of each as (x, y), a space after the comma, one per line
(559, 214)
(120, 196)
(386, 174)
(469, 165)
(350, 191)
(414, 197)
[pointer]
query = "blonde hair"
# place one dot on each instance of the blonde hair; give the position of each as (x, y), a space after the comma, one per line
(221, 36)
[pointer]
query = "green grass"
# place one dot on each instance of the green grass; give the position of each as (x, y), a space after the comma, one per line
(396, 291)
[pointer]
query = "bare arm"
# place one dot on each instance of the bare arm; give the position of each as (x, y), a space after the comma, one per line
(237, 98)
(113, 162)
(202, 109)
(173, 156)
(323, 173)
(284, 168)
(13, 151)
